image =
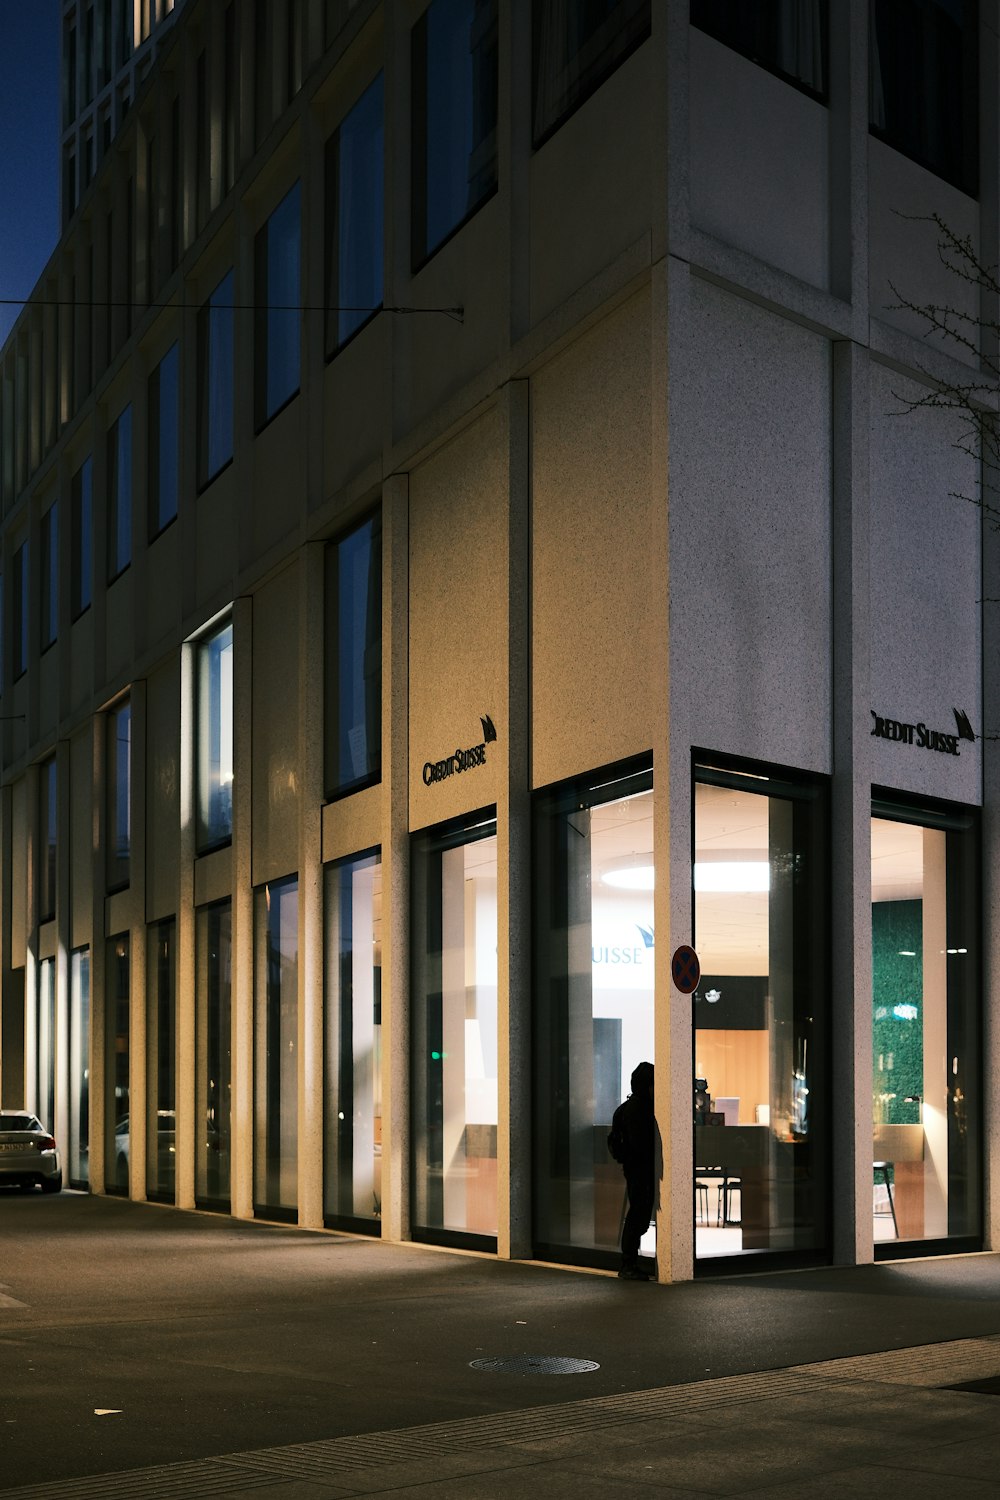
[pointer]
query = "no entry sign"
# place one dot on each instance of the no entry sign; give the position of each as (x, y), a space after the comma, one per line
(686, 969)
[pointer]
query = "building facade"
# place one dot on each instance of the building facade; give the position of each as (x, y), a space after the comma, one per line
(461, 459)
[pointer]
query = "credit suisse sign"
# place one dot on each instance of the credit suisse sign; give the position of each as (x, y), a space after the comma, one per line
(461, 760)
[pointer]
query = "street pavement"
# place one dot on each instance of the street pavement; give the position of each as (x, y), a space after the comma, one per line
(147, 1352)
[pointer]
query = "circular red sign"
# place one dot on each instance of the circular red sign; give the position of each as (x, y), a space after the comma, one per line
(686, 969)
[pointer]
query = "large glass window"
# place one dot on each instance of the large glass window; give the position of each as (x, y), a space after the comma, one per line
(592, 1001)
(47, 839)
(276, 1050)
(277, 273)
(788, 37)
(116, 1065)
(163, 442)
(120, 494)
(352, 1126)
(926, 1104)
(215, 382)
(213, 1049)
(354, 190)
(454, 137)
(353, 700)
(48, 579)
(576, 46)
(45, 1043)
(118, 779)
(81, 539)
(79, 1068)
(161, 1059)
(215, 738)
(19, 612)
(454, 1033)
(760, 1092)
(923, 83)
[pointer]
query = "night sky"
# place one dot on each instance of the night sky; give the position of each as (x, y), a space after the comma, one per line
(29, 146)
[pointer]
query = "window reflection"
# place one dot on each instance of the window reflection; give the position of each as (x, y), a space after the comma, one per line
(354, 658)
(161, 1070)
(276, 1048)
(215, 738)
(79, 1068)
(213, 1079)
(278, 315)
(354, 190)
(116, 1066)
(215, 381)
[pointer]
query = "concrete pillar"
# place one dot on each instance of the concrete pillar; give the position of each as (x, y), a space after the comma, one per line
(243, 947)
(98, 959)
(60, 1121)
(186, 1053)
(310, 859)
(138, 1077)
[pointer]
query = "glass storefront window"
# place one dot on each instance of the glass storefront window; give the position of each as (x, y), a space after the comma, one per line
(116, 1065)
(352, 1126)
(79, 1068)
(454, 1033)
(592, 1001)
(215, 738)
(760, 1091)
(213, 1078)
(353, 696)
(925, 1026)
(276, 977)
(161, 1060)
(45, 1056)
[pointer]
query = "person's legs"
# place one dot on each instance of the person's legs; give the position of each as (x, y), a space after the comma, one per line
(640, 1211)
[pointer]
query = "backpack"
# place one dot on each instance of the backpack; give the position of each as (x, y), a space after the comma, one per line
(617, 1139)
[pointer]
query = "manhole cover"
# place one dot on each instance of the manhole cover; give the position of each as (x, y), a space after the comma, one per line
(534, 1364)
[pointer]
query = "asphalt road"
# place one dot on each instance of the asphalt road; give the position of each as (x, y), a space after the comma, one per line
(201, 1335)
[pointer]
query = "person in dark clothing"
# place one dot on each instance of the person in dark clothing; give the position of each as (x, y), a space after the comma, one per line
(632, 1142)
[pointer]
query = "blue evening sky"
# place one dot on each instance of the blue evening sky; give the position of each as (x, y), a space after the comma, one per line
(29, 146)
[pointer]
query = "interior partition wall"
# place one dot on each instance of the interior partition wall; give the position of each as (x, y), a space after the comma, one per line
(276, 1044)
(116, 1065)
(213, 1055)
(760, 1015)
(926, 1052)
(592, 1000)
(352, 1010)
(454, 1032)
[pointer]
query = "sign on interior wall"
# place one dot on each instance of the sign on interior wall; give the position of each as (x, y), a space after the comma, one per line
(461, 760)
(904, 733)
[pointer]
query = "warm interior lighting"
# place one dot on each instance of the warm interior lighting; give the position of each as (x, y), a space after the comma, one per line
(734, 877)
(630, 877)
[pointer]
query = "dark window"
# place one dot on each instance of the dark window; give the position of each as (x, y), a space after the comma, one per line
(118, 782)
(116, 1065)
(454, 136)
(161, 1059)
(48, 579)
(203, 150)
(276, 292)
(575, 47)
(215, 381)
(152, 222)
(69, 182)
(276, 969)
(354, 188)
(176, 185)
(923, 84)
(230, 105)
(69, 76)
(120, 494)
(47, 840)
(787, 37)
(163, 440)
(353, 695)
(81, 544)
(88, 55)
(19, 604)
(213, 1042)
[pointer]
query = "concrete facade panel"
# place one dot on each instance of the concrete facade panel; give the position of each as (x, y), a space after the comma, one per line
(750, 525)
(760, 176)
(275, 789)
(597, 602)
(119, 627)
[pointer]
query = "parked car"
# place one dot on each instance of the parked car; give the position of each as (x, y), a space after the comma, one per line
(28, 1154)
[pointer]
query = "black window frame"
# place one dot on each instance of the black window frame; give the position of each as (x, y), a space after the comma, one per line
(754, 52)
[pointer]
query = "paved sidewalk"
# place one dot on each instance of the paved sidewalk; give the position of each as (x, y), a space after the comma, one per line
(842, 1428)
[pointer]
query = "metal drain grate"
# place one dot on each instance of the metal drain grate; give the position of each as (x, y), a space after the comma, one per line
(534, 1364)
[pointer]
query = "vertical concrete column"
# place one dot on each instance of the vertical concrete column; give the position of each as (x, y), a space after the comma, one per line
(64, 942)
(395, 861)
(138, 1076)
(851, 970)
(514, 1174)
(310, 755)
(98, 959)
(241, 1188)
(186, 1051)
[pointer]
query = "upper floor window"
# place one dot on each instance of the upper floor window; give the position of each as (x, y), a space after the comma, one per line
(353, 697)
(48, 578)
(787, 37)
(47, 839)
(118, 782)
(163, 441)
(354, 190)
(19, 611)
(215, 381)
(454, 136)
(575, 47)
(214, 719)
(923, 84)
(81, 538)
(277, 276)
(120, 494)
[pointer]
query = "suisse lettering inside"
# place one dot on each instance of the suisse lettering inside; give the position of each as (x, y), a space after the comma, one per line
(462, 760)
(914, 734)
